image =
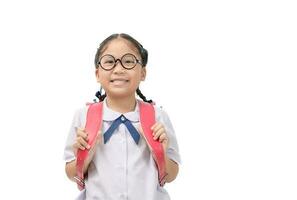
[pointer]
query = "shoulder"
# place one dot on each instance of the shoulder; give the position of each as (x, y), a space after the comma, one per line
(80, 113)
(161, 114)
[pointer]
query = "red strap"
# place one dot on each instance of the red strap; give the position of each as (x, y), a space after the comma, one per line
(93, 124)
(147, 120)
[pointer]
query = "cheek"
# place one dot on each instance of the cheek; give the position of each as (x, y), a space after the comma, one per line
(137, 76)
(103, 79)
(103, 75)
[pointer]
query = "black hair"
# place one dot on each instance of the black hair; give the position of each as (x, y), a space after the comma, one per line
(101, 97)
(142, 51)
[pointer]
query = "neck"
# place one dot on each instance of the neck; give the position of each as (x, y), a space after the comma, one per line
(121, 105)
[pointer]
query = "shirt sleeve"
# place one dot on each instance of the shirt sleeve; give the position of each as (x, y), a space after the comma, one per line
(173, 149)
(77, 121)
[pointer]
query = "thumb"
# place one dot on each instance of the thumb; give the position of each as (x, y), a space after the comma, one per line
(140, 130)
(99, 137)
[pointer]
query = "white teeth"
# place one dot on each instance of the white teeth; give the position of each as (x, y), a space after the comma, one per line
(118, 80)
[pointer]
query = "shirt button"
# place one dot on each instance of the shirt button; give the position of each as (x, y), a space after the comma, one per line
(123, 118)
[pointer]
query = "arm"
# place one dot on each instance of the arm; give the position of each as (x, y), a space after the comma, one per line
(81, 143)
(171, 169)
(70, 168)
(171, 166)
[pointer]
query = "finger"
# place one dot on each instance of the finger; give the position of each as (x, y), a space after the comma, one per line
(82, 133)
(82, 142)
(158, 133)
(99, 136)
(81, 129)
(140, 130)
(99, 133)
(156, 126)
(162, 137)
(77, 146)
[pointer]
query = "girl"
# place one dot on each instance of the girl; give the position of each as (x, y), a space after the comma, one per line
(118, 166)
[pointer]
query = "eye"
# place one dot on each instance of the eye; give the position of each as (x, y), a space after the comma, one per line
(108, 61)
(129, 61)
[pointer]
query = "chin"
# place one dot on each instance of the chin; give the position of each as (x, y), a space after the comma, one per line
(120, 93)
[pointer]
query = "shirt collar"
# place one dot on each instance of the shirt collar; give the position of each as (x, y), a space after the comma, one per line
(111, 115)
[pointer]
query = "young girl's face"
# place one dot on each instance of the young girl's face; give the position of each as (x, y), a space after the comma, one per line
(120, 82)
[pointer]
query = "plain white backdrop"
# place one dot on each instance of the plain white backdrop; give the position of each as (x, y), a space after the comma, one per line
(225, 71)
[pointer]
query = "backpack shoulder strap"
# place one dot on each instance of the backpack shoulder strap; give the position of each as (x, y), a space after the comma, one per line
(93, 124)
(147, 120)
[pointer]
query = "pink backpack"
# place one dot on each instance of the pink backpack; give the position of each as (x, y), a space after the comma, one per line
(147, 120)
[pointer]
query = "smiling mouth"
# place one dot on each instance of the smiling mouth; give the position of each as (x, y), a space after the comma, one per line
(119, 80)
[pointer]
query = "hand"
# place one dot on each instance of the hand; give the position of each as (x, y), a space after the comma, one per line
(159, 133)
(81, 142)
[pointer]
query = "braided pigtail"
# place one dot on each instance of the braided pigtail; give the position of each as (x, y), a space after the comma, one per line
(139, 93)
(99, 95)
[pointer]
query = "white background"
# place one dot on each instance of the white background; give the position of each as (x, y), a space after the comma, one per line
(225, 71)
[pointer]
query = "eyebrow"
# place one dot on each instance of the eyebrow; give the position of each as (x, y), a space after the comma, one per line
(121, 55)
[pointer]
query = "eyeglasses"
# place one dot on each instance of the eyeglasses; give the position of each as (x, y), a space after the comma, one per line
(128, 61)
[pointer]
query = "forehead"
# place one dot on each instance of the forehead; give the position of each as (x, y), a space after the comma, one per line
(118, 47)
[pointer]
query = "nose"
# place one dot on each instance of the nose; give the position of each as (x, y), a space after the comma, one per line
(118, 66)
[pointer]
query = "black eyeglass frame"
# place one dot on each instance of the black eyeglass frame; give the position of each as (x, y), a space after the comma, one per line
(119, 59)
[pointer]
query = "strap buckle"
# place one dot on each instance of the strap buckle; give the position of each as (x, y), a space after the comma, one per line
(162, 180)
(79, 181)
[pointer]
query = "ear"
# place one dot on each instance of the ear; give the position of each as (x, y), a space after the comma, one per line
(97, 75)
(143, 73)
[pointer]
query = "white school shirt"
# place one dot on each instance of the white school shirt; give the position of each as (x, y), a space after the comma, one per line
(121, 169)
